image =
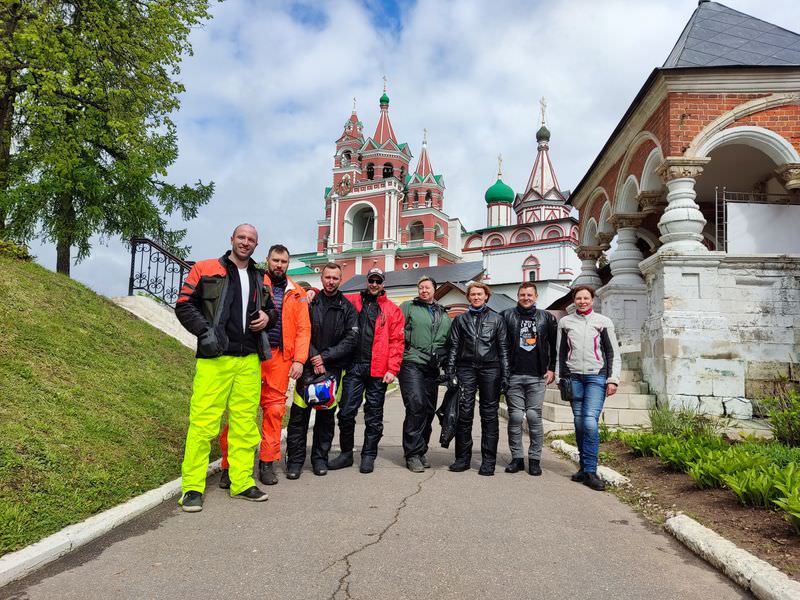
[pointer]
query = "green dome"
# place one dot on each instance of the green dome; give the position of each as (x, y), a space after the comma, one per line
(384, 99)
(543, 135)
(499, 192)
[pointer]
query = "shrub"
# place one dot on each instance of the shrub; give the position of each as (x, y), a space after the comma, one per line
(713, 464)
(755, 486)
(645, 444)
(791, 506)
(13, 250)
(784, 416)
(777, 453)
(680, 453)
(683, 422)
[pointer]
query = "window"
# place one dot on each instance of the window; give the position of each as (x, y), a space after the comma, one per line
(530, 269)
(346, 158)
(416, 231)
(416, 199)
(370, 171)
(522, 236)
(428, 199)
(388, 170)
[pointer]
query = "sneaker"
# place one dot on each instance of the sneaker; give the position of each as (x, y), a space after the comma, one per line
(293, 471)
(534, 468)
(253, 494)
(414, 464)
(486, 470)
(516, 465)
(367, 464)
(266, 472)
(594, 482)
(191, 501)
(225, 480)
(320, 468)
(578, 477)
(459, 467)
(425, 462)
(345, 459)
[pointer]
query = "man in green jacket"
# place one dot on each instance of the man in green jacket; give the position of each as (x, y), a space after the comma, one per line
(426, 330)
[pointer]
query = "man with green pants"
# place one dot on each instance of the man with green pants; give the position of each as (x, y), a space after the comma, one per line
(224, 303)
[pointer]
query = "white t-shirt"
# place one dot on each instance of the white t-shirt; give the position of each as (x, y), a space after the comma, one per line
(244, 281)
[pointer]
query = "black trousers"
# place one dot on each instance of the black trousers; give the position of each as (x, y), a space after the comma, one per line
(358, 386)
(419, 389)
(297, 433)
(486, 382)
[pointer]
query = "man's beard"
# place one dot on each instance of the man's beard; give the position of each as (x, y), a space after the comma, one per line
(277, 277)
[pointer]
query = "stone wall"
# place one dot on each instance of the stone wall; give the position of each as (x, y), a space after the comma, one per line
(718, 327)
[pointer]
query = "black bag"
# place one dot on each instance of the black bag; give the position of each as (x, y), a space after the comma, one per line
(565, 386)
(448, 415)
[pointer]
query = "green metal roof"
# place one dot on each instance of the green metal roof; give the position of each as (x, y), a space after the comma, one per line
(301, 271)
(499, 192)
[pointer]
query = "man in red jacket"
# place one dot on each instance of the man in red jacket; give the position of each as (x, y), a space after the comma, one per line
(375, 364)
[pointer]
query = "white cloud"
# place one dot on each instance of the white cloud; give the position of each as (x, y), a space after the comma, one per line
(267, 95)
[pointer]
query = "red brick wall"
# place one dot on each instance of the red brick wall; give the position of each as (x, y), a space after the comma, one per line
(783, 120)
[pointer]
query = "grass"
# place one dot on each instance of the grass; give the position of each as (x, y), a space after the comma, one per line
(94, 404)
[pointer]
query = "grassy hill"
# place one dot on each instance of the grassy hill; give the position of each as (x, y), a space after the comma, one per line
(93, 403)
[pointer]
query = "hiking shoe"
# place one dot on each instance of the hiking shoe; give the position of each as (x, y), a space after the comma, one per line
(486, 470)
(191, 501)
(320, 468)
(345, 459)
(367, 464)
(459, 467)
(253, 494)
(414, 464)
(225, 480)
(594, 482)
(425, 462)
(293, 471)
(578, 477)
(516, 465)
(266, 472)
(534, 468)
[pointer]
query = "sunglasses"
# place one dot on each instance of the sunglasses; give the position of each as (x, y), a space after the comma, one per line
(375, 281)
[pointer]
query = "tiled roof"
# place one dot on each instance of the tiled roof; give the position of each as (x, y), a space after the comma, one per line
(718, 36)
(457, 273)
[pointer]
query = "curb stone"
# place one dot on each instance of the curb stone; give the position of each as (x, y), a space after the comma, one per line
(610, 476)
(17, 565)
(750, 572)
(763, 580)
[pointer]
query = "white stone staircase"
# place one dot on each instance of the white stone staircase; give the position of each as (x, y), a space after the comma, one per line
(158, 315)
(627, 409)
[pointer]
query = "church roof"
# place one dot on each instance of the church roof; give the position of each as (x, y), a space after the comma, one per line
(457, 273)
(384, 131)
(542, 182)
(424, 164)
(717, 36)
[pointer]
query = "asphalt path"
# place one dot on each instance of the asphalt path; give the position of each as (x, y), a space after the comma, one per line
(391, 534)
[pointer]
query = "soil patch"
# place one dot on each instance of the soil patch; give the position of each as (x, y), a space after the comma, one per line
(656, 489)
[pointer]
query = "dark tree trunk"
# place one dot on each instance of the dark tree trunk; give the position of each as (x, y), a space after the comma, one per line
(62, 256)
(9, 16)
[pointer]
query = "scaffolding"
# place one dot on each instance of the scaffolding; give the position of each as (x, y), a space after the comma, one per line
(722, 198)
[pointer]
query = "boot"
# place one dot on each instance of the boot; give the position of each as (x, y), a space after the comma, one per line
(594, 482)
(225, 480)
(367, 464)
(266, 472)
(345, 459)
(534, 468)
(516, 465)
(294, 471)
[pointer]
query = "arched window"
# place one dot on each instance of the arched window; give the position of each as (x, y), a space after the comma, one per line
(416, 199)
(416, 231)
(370, 171)
(428, 199)
(553, 232)
(474, 242)
(363, 227)
(495, 240)
(530, 269)
(388, 170)
(402, 174)
(346, 158)
(522, 236)
(438, 231)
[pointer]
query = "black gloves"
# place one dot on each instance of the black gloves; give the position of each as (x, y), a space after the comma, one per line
(504, 386)
(209, 344)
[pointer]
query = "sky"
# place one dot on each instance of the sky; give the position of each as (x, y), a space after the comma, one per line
(270, 85)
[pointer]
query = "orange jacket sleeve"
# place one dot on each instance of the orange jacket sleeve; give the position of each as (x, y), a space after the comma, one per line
(302, 339)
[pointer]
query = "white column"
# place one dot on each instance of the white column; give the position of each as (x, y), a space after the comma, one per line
(588, 275)
(627, 256)
(682, 223)
(790, 174)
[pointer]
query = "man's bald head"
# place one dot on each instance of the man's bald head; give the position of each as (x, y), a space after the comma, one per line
(245, 225)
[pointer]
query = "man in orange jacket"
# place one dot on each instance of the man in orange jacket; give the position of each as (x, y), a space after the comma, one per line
(289, 340)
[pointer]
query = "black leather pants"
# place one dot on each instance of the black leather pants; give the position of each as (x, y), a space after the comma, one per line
(418, 388)
(486, 382)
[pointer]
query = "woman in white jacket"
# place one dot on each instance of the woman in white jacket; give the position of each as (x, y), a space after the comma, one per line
(589, 361)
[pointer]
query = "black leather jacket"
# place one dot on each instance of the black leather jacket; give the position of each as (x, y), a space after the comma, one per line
(478, 340)
(334, 330)
(546, 334)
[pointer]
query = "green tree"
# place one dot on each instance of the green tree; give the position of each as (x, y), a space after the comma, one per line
(90, 86)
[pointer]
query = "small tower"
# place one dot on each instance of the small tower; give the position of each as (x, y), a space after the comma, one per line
(499, 198)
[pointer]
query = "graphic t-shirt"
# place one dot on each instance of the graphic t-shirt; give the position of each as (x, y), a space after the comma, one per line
(527, 358)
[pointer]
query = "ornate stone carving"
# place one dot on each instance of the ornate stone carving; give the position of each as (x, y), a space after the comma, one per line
(677, 167)
(790, 175)
(589, 252)
(605, 238)
(626, 220)
(588, 274)
(652, 201)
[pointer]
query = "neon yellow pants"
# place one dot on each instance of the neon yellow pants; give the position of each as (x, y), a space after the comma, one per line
(235, 382)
